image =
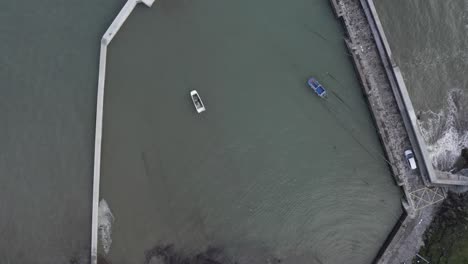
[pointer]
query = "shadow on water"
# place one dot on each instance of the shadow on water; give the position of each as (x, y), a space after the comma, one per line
(167, 254)
(81, 258)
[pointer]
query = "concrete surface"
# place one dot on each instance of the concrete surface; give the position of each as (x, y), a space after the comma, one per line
(381, 86)
(430, 175)
(105, 41)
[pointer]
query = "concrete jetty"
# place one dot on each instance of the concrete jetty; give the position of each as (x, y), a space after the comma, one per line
(396, 123)
(388, 98)
(105, 41)
(430, 175)
(382, 103)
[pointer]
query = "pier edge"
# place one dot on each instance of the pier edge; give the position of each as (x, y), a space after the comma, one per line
(105, 41)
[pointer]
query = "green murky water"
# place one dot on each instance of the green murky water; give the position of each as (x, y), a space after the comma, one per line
(269, 171)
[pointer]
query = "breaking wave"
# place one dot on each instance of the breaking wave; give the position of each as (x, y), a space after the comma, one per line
(106, 218)
(445, 131)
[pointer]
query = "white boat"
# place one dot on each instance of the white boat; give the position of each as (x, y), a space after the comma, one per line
(197, 101)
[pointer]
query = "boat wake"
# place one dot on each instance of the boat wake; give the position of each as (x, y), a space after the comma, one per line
(106, 218)
(445, 131)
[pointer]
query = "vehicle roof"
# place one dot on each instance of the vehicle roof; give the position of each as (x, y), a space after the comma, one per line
(408, 151)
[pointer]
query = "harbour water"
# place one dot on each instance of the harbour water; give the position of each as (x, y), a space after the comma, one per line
(48, 78)
(429, 42)
(269, 172)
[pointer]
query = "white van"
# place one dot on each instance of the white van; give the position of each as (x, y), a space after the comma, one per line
(410, 159)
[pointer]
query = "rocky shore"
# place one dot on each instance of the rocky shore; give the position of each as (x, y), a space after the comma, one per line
(446, 239)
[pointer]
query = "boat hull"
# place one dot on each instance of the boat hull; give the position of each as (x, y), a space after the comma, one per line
(197, 101)
(317, 87)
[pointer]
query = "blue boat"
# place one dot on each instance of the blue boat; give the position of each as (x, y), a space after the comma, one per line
(317, 87)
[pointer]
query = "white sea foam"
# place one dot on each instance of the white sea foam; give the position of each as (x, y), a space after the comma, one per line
(106, 218)
(445, 131)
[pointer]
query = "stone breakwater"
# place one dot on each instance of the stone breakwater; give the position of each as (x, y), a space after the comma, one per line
(384, 90)
(379, 94)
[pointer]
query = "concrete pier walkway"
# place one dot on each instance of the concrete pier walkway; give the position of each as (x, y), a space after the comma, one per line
(105, 41)
(431, 176)
(395, 119)
(389, 101)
